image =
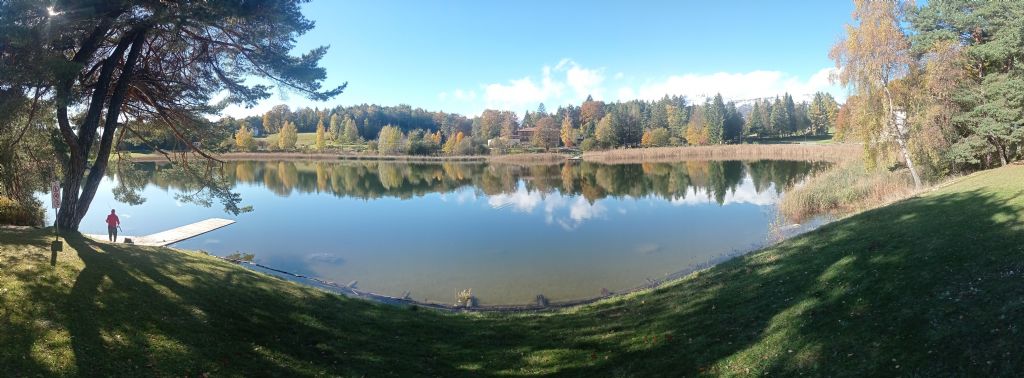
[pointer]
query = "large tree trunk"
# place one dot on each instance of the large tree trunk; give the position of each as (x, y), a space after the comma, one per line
(900, 133)
(78, 195)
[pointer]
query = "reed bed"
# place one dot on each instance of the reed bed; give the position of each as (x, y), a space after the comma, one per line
(828, 152)
(546, 157)
(847, 188)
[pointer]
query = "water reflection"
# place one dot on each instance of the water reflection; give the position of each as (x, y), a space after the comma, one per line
(508, 231)
(520, 186)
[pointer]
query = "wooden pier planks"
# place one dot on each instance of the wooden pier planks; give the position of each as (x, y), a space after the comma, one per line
(173, 235)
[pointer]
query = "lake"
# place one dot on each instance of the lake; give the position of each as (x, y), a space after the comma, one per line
(507, 231)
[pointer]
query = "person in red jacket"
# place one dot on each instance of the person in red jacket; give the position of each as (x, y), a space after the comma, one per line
(112, 223)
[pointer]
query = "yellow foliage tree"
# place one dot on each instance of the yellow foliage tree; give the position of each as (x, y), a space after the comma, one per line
(321, 137)
(243, 138)
(288, 136)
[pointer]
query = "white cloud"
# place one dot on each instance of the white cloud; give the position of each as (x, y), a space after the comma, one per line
(568, 82)
(745, 193)
(523, 93)
(626, 93)
(738, 86)
(558, 209)
(464, 95)
(584, 82)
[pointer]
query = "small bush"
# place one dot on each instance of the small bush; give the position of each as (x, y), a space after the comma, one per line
(20, 214)
(465, 298)
(589, 144)
(241, 256)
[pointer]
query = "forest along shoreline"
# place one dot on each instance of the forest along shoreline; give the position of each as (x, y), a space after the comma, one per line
(821, 152)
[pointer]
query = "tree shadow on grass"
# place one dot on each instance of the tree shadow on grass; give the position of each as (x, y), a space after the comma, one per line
(893, 291)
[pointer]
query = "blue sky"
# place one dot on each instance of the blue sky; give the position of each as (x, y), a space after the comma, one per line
(465, 56)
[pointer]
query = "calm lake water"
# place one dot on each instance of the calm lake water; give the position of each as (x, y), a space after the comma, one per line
(507, 231)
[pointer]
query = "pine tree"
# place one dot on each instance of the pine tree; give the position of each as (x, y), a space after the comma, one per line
(777, 119)
(790, 113)
(733, 128)
(754, 125)
(714, 120)
(818, 115)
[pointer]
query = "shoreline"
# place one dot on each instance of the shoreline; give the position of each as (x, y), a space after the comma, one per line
(351, 292)
(826, 152)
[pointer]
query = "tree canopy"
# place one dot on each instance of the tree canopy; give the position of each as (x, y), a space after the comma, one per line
(114, 62)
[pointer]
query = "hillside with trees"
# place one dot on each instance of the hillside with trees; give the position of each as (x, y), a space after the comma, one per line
(670, 121)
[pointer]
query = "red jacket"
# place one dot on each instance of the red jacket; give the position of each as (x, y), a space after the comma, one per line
(112, 220)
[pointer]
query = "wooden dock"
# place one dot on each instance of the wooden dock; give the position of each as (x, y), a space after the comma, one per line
(173, 235)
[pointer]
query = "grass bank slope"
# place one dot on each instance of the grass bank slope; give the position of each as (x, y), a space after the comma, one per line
(930, 286)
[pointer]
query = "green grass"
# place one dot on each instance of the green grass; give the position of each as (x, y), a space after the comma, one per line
(304, 139)
(307, 141)
(930, 286)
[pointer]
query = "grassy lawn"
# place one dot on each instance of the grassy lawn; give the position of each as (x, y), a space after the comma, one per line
(931, 286)
(307, 141)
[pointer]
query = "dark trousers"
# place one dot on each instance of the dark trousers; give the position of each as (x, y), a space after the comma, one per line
(112, 233)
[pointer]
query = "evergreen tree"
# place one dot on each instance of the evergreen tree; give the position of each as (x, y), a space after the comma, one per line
(754, 125)
(778, 121)
(975, 52)
(818, 115)
(790, 113)
(714, 120)
(733, 128)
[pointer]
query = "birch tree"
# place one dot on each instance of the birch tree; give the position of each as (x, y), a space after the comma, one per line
(873, 54)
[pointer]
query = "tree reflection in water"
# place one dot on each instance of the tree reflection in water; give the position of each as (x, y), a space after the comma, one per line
(591, 181)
